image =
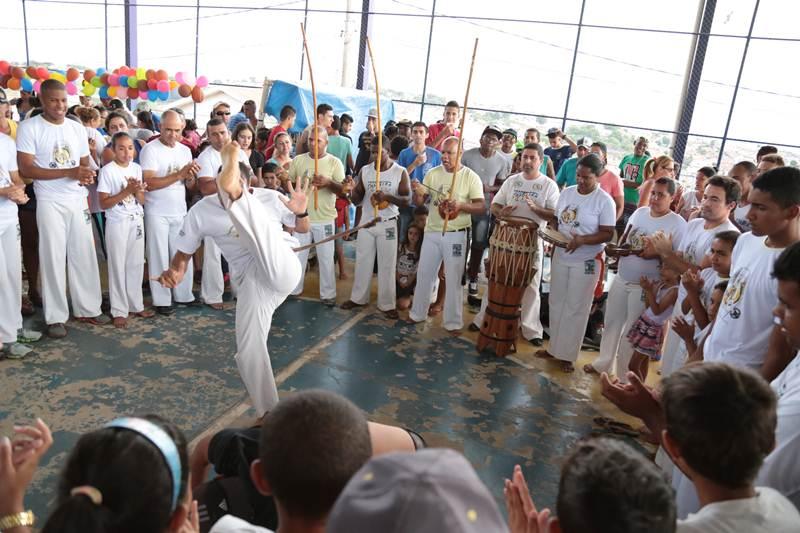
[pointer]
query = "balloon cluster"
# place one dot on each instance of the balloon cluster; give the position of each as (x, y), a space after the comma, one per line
(122, 82)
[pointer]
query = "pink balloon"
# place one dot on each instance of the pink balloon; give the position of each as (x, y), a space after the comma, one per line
(143, 95)
(72, 90)
(202, 82)
(113, 80)
(37, 85)
(122, 92)
(163, 86)
(179, 78)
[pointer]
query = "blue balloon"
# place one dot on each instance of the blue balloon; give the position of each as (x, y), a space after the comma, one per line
(152, 95)
(101, 71)
(27, 84)
(164, 95)
(123, 81)
(103, 92)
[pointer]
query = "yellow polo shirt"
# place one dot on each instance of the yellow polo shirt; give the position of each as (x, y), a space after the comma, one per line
(468, 187)
(330, 167)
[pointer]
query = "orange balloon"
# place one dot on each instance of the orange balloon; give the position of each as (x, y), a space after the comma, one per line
(88, 74)
(162, 75)
(150, 74)
(184, 90)
(197, 94)
(14, 84)
(72, 74)
(17, 72)
(31, 72)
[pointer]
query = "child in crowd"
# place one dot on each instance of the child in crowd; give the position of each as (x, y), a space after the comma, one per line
(693, 334)
(269, 174)
(121, 193)
(407, 262)
(420, 216)
(342, 224)
(647, 333)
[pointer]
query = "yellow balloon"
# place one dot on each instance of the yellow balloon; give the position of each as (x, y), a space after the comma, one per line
(112, 91)
(58, 76)
(89, 89)
(141, 73)
(173, 84)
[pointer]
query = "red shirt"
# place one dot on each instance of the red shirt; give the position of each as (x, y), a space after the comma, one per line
(271, 140)
(433, 131)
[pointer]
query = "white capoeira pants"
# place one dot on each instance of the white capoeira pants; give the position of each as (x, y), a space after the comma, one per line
(272, 273)
(65, 238)
(125, 248)
(325, 252)
(212, 283)
(624, 306)
(571, 296)
(380, 239)
(161, 232)
(530, 318)
(10, 282)
(675, 352)
(436, 248)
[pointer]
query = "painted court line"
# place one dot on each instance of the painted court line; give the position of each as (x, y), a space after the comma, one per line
(227, 419)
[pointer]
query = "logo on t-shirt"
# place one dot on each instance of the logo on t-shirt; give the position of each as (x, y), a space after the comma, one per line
(569, 216)
(636, 238)
(233, 233)
(734, 293)
(630, 172)
(62, 156)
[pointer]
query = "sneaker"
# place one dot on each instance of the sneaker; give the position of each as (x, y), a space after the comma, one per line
(473, 287)
(99, 320)
(537, 341)
(28, 335)
(328, 302)
(350, 304)
(165, 310)
(473, 327)
(56, 331)
(193, 303)
(16, 351)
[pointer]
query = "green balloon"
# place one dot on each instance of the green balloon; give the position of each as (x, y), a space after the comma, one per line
(96, 81)
(132, 82)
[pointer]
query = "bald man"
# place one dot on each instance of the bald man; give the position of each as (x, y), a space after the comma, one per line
(168, 169)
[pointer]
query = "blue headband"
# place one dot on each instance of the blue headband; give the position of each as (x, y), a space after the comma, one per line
(162, 441)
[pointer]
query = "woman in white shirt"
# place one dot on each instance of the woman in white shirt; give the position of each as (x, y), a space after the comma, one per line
(586, 214)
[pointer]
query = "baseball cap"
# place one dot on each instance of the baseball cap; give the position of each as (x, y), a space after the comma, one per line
(373, 113)
(511, 132)
(494, 129)
(142, 106)
(404, 122)
(430, 491)
(586, 142)
(3, 97)
(552, 132)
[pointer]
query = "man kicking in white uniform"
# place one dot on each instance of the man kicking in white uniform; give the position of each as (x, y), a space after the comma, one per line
(247, 228)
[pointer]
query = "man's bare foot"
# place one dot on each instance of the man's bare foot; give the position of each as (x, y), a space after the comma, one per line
(217, 306)
(342, 275)
(543, 354)
(589, 369)
(120, 322)
(434, 310)
(230, 179)
(567, 367)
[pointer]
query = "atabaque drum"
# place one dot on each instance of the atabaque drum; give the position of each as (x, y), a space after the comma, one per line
(513, 260)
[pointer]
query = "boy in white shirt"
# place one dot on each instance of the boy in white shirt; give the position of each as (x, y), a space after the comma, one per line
(54, 152)
(121, 193)
(743, 332)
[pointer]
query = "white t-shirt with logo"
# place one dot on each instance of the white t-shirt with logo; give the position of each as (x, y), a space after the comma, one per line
(390, 182)
(114, 178)
(744, 321)
(740, 217)
(767, 511)
(583, 214)
(210, 161)
(207, 218)
(694, 246)
(640, 225)
(516, 190)
(54, 146)
(8, 164)
(781, 469)
(164, 160)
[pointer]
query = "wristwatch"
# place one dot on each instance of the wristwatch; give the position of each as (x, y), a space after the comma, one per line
(302, 215)
(23, 519)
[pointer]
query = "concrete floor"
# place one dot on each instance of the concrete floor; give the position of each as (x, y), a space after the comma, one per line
(498, 412)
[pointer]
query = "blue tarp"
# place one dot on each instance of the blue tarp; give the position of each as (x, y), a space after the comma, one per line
(354, 102)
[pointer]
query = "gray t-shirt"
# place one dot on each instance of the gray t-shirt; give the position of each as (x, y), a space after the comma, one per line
(490, 169)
